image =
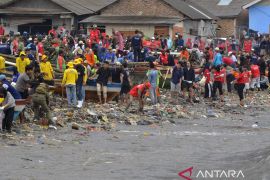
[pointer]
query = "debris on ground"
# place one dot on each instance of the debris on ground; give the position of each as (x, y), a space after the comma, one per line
(98, 118)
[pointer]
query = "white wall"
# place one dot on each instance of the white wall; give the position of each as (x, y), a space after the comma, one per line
(205, 28)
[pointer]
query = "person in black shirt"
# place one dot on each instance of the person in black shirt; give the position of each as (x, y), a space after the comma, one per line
(104, 74)
(189, 78)
(79, 83)
(115, 73)
(125, 82)
(136, 45)
(170, 59)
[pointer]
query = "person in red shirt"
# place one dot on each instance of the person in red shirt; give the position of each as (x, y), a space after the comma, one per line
(40, 46)
(15, 46)
(207, 86)
(53, 32)
(228, 61)
(164, 58)
(218, 81)
(94, 34)
(255, 74)
(241, 80)
(247, 75)
(2, 30)
(138, 92)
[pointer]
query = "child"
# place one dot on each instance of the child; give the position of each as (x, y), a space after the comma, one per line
(7, 106)
(218, 81)
(207, 86)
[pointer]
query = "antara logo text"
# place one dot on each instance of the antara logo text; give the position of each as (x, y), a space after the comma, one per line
(211, 174)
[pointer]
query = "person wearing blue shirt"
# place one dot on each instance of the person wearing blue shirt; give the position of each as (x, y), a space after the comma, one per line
(6, 84)
(217, 58)
(110, 56)
(176, 80)
(102, 54)
(136, 44)
(179, 42)
(169, 42)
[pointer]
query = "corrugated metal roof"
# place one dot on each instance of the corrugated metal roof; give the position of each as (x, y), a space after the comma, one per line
(130, 20)
(192, 10)
(4, 2)
(231, 10)
(81, 7)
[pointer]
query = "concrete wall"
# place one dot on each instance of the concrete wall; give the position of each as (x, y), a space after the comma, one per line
(147, 29)
(204, 28)
(12, 22)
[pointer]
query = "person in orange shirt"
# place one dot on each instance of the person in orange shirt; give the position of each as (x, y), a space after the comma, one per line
(89, 56)
(184, 55)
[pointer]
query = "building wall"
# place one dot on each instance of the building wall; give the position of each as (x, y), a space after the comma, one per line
(147, 29)
(228, 27)
(259, 18)
(12, 22)
(203, 29)
(141, 8)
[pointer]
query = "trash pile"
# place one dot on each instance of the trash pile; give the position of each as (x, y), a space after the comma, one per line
(98, 118)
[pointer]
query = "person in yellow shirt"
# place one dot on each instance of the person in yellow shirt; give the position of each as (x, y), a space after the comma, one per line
(47, 70)
(22, 62)
(2, 64)
(69, 81)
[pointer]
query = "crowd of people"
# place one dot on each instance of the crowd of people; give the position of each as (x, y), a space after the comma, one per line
(103, 58)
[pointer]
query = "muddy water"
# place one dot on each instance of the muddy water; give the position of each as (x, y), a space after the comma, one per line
(144, 152)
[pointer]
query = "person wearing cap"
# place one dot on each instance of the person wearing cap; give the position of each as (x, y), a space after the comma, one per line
(110, 55)
(23, 82)
(6, 84)
(138, 92)
(78, 51)
(22, 62)
(69, 81)
(103, 74)
(47, 70)
(2, 64)
(41, 101)
(29, 55)
(217, 58)
(94, 35)
(80, 81)
(7, 106)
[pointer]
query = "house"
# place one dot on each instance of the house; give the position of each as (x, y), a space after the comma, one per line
(35, 16)
(162, 17)
(259, 15)
(232, 18)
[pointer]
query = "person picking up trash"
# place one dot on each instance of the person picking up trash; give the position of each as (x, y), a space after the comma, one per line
(138, 92)
(41, 102)
(7, 106)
